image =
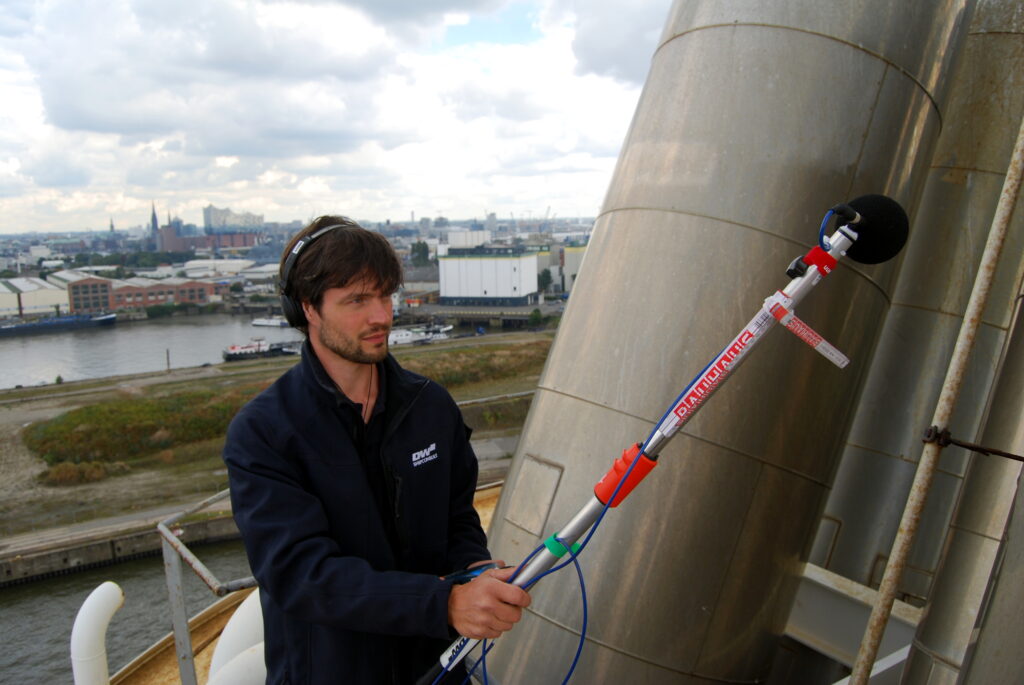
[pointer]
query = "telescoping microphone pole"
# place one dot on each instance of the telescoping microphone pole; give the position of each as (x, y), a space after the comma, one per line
(872, 229)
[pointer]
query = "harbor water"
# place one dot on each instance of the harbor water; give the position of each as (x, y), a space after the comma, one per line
(36, 617)
(128, 347)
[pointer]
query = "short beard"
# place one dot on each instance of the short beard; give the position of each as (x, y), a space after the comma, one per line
(350, 350)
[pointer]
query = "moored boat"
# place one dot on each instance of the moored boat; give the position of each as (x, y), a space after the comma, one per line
(259, 348)
(52, 324)
(271, 322)
(418, 335)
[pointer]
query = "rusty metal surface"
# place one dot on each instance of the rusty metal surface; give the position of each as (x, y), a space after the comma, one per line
(943, 411)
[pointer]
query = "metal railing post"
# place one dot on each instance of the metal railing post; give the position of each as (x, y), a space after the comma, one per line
(179, 617)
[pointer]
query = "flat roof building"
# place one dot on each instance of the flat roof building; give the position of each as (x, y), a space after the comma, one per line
(488, 276)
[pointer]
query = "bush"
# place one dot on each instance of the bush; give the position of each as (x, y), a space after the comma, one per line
(453, 367)
(158, 311)
(174, 429)
(70, 473)
(133, 427)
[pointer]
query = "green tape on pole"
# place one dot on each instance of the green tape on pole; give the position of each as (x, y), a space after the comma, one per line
(558, 549)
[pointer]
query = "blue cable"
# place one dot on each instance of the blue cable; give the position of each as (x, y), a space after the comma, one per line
(483, 662)
(822, 240)
(583, 596)
(622, 480)
(574, 555)
(487, 648)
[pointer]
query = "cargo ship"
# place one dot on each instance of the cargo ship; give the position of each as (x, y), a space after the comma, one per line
(52, 324)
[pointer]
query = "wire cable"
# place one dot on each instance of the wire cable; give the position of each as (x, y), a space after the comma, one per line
(487, 648)
(583, 598)
(822, 240)
(590, 534)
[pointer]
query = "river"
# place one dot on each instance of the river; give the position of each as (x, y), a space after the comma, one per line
(36, 618)
(128, 347)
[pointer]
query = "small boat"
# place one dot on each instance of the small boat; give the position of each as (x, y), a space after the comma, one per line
(271, 322)
(55, 323)
(418, 335)
(259, 348)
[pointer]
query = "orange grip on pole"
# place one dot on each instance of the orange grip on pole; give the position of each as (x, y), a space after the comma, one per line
(606, 486)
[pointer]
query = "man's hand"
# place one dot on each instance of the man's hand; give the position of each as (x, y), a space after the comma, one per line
(487, 606)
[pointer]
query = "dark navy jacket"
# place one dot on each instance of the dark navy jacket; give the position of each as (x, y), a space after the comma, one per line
(347, 596)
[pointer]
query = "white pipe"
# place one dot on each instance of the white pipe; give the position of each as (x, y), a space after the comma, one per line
(243, 630)
(247, 668)
(89, 634)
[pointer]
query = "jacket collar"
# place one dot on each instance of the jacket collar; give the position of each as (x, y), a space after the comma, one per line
(400, 386)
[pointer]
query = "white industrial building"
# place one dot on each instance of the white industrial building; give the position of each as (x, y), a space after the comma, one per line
(488, 276)
(462, 239)
(570, 258)
(31, 296)
(213, 268)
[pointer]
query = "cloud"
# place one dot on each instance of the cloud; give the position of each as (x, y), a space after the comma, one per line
(374, 107)
(609, 43)
(16, 17)
(405, 13)
(217, 73)
(56, 170)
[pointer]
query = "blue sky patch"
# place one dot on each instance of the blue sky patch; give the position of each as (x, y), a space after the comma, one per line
(511, 25)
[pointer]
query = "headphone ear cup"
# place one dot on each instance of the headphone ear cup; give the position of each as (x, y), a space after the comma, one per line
(292, 312)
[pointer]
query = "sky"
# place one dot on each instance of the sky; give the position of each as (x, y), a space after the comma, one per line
(375, 109)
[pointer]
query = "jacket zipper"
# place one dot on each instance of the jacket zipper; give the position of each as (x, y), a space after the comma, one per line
(394, 490)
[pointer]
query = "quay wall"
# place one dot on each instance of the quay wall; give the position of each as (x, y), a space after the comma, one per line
(59, 557)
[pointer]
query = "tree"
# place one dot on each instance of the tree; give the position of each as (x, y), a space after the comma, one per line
(237, 287)
(536, 318)
(544, 280)
(420, 254)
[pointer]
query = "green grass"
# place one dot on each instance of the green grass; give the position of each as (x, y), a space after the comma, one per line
(125, 429)
(181, 423)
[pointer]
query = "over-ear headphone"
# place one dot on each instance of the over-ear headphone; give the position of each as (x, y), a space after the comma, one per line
(291, 307)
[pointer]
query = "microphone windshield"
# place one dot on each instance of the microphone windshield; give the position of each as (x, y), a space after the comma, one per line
(882, 230)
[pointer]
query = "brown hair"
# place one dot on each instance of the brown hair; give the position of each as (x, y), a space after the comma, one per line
(338, 257)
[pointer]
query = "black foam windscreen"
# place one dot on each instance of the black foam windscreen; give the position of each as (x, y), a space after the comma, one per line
(882, 229)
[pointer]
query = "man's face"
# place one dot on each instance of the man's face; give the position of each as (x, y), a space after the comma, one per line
(353, 322)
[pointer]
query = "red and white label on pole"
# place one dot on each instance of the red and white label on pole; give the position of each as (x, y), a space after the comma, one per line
(777, 307)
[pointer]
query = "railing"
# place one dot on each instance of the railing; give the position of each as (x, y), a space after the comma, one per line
(175, 551)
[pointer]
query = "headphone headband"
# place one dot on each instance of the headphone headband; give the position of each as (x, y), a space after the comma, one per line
(293, 309)
(293, 256)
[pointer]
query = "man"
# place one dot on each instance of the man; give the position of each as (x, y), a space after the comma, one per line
(352, 483)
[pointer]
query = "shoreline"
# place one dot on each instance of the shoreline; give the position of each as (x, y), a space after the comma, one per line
(25, 560)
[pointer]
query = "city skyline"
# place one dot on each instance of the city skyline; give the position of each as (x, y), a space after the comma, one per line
(290, 110)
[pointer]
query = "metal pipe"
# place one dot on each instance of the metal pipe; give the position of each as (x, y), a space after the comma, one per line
(943, 410)
(179, 618)
(170, 539)
(174, 550)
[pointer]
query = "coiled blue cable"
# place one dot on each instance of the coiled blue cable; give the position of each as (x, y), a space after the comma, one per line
(822, 240)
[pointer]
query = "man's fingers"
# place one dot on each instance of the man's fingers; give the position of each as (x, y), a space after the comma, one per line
(502, 574)
(510, 594)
